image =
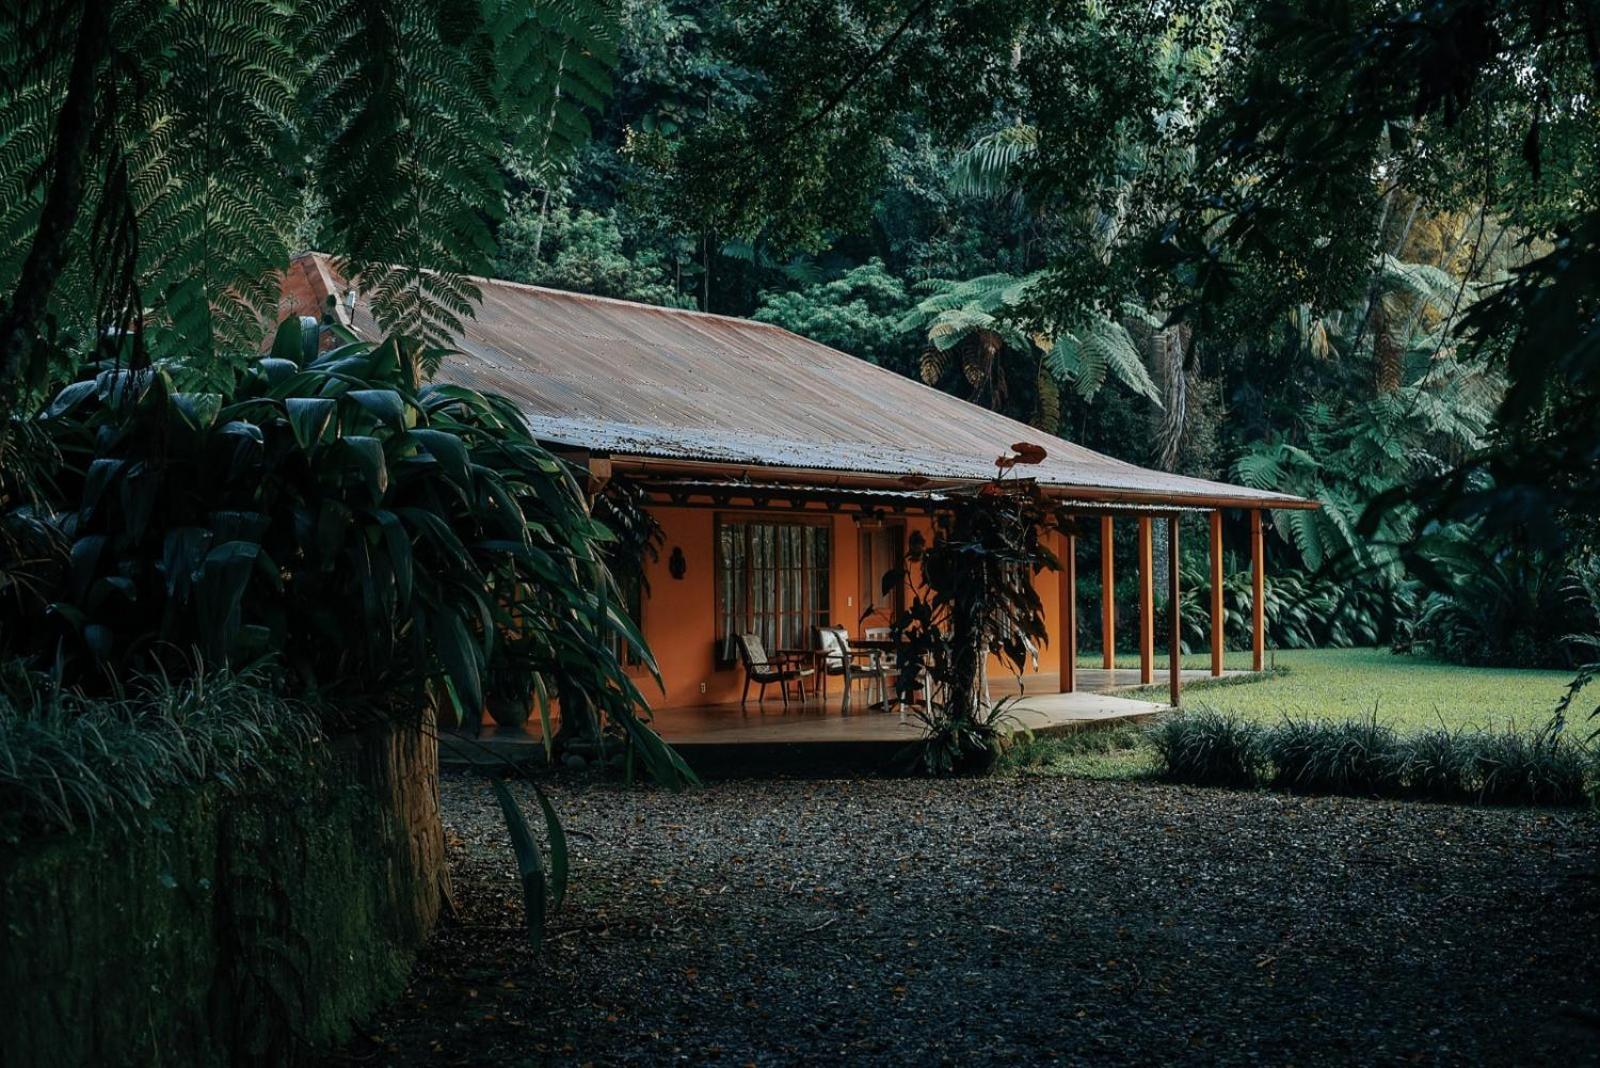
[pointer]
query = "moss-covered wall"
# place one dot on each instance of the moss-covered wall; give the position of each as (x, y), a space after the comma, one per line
(229, 928)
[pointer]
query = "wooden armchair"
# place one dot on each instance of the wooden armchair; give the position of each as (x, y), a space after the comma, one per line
(760, 668)
(837, 658)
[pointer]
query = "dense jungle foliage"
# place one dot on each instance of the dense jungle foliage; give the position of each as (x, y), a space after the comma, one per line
(1347, 251)
(1293, 246)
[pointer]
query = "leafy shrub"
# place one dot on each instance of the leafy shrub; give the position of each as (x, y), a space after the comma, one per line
(858, 312)
(1336, 756)
(1302, 611)
(384, 539)
(960, 745)
(971, 597)
(1585, 643)
(1511, 768)
(67, 760)
(1499, 605)
(1206, 748)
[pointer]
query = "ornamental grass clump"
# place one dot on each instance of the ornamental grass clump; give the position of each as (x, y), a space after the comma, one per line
(1438, 765)
(1205, 748)
(1511, 768)
(1336, 757)
(68, 761)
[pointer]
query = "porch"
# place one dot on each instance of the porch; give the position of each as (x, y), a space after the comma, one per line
(824, 737)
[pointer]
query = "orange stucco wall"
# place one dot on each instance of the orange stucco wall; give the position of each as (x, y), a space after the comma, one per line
(680, 614)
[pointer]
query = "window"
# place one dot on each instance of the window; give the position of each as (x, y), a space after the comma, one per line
(772, 581)
(881, 549)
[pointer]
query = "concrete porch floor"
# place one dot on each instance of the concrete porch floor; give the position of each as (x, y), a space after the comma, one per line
(816, 735)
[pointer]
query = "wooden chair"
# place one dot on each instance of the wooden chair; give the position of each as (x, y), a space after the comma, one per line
(765, 670)
(837, 658)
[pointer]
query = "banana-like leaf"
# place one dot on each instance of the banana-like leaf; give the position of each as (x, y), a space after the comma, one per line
(401, 558)
(69, 398)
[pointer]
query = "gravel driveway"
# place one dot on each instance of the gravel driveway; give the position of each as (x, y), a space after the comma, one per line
(1013, 921)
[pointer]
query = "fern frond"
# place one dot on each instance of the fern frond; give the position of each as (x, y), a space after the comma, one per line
(1419, 281)
(422, 98)
(985, 168)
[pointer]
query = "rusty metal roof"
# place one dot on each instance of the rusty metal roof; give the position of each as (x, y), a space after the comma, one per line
(635, 380)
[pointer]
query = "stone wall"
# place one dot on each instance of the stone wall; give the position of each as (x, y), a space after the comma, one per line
(228, 927)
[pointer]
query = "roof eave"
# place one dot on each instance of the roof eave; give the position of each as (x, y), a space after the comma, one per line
(656, 465)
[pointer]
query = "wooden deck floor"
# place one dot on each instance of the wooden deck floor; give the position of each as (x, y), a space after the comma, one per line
(1037, 708)
(814, 735)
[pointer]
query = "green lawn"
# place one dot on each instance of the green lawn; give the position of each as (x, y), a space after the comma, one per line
(1409, 693)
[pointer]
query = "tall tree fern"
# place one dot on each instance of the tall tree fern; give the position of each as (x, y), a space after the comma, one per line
(153, 155)
(978, 325)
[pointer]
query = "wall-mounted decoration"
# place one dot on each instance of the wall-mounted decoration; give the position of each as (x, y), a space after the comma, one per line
(676, 564)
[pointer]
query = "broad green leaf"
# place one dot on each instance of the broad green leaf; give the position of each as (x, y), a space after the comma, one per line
(557, 836)
(385, 405)
(69, 398)
(309, 417)
(289, 342)
(368, 454)
(448, 450)
(182, 554)
(198, 410)
(398, 542)
(276, 370)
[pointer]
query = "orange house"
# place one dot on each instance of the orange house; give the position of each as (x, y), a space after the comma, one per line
(787, 476)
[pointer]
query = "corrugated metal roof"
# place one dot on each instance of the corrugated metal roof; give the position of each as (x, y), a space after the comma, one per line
(637, 380)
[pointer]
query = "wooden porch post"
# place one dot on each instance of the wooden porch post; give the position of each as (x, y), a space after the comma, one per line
(1258, 593)
(1108, 594)
(1147, 602)
(1174, 651)
(1216, 593)
(1069, 611)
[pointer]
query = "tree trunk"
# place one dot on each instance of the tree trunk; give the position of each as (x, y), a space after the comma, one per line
(1387, 359)
(1172, 357)
(68, 160)
(705, 277)
(538, 230)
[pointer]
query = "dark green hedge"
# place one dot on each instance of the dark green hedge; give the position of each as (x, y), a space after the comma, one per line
(226, 928)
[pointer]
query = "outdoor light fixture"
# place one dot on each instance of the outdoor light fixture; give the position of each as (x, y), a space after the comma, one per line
(676, 564)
